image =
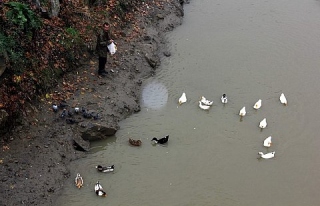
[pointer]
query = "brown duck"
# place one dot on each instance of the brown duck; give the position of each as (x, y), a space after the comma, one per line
(135, 142)
(79, 181)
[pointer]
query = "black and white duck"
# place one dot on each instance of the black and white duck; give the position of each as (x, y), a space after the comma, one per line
(105, 169)
(161, 141)
(224, 99)
(99, 190)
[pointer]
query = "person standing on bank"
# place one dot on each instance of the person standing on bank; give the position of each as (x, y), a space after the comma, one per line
(103, 41)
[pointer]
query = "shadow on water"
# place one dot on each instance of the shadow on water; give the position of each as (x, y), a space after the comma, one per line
(98, 146)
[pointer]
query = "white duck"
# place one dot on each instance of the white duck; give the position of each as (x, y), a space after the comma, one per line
(267, 155)
(283, 99)
(263, 123)
(204, 107)
(257, 105)
(243, 112)
(183, 98)
(205, 101)
(224, 99)
(267, 142)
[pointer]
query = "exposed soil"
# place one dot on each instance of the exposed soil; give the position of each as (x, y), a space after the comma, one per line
(34, 163)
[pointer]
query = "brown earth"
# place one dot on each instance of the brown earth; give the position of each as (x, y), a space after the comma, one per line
(34, 163)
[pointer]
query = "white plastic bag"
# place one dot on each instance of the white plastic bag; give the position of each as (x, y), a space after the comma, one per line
(112, 48)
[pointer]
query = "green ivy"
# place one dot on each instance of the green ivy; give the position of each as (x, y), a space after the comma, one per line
(21, 15)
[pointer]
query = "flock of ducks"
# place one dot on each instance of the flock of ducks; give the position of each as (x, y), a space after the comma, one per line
(206, 104)
(98, 189)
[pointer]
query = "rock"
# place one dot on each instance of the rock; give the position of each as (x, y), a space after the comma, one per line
(166, 53)
(95, 131)
(153, 60)
(80, 144)
(147, 38)
(160, 16)
(51, 189)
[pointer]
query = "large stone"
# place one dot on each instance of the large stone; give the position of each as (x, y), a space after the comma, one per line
(95, 131)
(153, 60)
(80, 144)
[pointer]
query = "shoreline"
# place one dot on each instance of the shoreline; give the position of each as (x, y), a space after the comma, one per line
(34, 164)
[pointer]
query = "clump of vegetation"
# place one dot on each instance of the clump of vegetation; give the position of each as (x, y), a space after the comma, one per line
(39, 49)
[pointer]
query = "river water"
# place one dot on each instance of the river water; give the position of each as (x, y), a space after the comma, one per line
(250, 50)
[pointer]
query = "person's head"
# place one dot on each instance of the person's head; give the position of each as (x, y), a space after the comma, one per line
(106, 26)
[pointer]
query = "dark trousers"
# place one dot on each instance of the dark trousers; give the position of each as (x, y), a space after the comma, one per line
(102, 63)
